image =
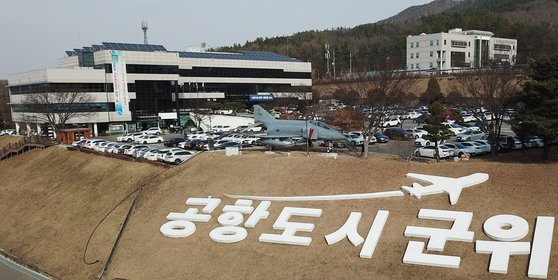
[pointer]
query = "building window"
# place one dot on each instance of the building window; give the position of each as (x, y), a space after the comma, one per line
(444, 42)
(417, 66)
(437, 42)
(469, 54)
(458, 44)
(411, 44)
(412, 56)
(431, 65)
(431, 53)
(417, 55)
(431, 43)
(417, 44)
(469, 44)
(411, 66)
(502, 47)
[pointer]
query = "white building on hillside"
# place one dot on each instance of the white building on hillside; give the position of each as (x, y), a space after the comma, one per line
(458, 49)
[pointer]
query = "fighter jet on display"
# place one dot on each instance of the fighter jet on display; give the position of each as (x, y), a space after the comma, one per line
(451, 186)
(280, 130)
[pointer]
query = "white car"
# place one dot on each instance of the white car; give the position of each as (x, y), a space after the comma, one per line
(470, 135)
(389, 122)
(113, 149)
(250, 140)
(107, 147)
(430, 151)
(162, 152)
(486, 145)
(177, 156)
(130, 137)
(151, 154)
(153, 131)
(149, 139)
(131, 150)
(455, 128)
(89, 144)
(417, 133)
(422, 142)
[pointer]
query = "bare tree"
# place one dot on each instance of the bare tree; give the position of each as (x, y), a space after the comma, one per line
(493, 90)
(381, 94)
(56, 108)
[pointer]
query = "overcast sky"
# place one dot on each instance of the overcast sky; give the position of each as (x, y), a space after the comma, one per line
(35, 33)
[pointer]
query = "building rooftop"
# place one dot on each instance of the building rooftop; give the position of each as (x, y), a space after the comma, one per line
(243, 55)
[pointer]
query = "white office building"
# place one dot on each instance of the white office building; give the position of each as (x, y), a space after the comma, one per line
(143, 85)
(458, 50)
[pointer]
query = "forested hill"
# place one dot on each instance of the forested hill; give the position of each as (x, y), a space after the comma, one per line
(375, 46)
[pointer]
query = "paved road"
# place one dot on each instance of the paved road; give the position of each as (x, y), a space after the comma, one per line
(12, 271)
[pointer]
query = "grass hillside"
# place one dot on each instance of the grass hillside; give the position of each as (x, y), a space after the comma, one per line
(52, 199)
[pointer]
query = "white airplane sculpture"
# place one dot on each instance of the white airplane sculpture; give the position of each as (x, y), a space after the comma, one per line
(451, 186)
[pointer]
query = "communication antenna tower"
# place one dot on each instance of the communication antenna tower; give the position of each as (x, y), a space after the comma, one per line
(327, 56)
(144, 28)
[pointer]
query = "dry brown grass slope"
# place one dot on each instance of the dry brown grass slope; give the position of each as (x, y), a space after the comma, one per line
(51, 199)
(525, 189)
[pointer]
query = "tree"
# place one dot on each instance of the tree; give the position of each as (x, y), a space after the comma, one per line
(433, 92)
(435, 127)
(537, 107)
(489, 92)
(57, 108)
(5, 114)
(381, 94)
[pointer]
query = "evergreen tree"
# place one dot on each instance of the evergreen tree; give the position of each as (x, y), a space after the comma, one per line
(435, 127)
(433, 91)
(537, 109)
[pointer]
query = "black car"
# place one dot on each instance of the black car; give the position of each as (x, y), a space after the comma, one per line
(397, 133)
(380, 137)
(173, 142)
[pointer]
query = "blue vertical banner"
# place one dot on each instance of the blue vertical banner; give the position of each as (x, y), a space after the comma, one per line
(120, 82)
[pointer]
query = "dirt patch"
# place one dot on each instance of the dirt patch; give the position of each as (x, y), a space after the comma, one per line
(52, 199)
(524, 189)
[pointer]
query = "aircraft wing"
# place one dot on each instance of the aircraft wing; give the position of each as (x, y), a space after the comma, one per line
(427, 178)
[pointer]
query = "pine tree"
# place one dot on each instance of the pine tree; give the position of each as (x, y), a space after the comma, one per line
(435, 125)
(537, 109)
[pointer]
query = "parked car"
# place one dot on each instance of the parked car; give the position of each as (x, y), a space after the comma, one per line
(455, 128)
(162, 152)
(355, 139)
(113, 149)
(106, 147)
(380, 137)
(90, 144)
(478, 149)
(487, 148)
(150, 139)
(151, 154)
(430, 151)
(130, 137)
(391, 121)
(154, 131)
(426, 141)
(417, 133)
(132, 149)
(458, 149)
(228, 144)
(397, 133)
(177, 156)
(122, 149)
(173, 142)
(140, 152)
(471, 135)
(533, 142)
(249, 140)
(506, 143)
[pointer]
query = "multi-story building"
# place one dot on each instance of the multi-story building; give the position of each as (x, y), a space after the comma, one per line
(138, 85)
(458, 49)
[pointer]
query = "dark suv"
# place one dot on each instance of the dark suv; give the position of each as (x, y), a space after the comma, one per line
(397, 133)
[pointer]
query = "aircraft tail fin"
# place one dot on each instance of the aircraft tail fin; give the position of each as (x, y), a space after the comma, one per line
(261, 115)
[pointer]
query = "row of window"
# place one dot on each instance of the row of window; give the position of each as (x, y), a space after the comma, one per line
(502, 47)
(212, 71)
(454, 43)
(242, 73)
(64, 107)
(62, 87)
(432, 54)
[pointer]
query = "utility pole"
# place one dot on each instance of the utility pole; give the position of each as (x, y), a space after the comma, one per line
(350, 62)
(334, 64)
